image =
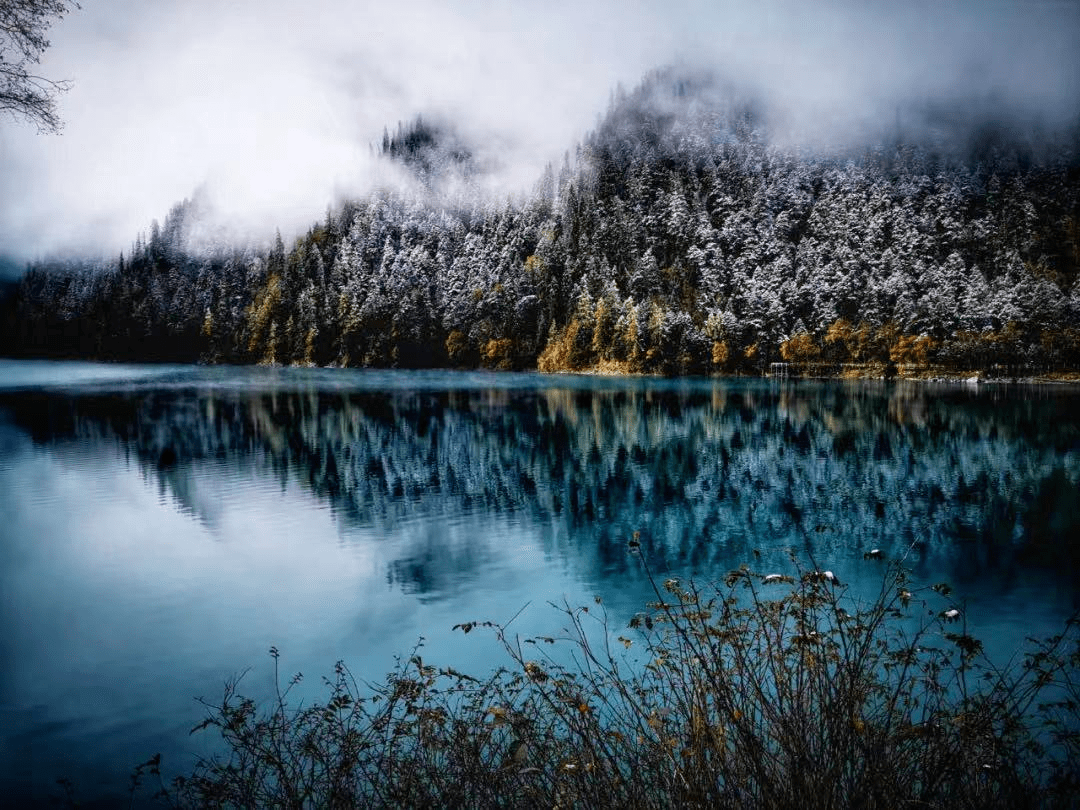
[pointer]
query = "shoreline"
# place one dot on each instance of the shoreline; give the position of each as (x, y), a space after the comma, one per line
(930, 375)
(870, 371)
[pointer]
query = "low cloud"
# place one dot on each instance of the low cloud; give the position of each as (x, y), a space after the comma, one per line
(272, 107)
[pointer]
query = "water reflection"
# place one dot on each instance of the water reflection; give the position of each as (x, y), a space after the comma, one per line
(707, 472)
(162, 528)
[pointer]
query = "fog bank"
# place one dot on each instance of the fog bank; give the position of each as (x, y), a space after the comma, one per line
(272, 108)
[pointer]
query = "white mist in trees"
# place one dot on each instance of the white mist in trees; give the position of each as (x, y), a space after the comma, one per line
(673, 243)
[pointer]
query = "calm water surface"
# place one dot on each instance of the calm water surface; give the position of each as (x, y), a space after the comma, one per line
(162, 527)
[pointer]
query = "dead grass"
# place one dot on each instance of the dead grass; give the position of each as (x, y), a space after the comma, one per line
(771, 690)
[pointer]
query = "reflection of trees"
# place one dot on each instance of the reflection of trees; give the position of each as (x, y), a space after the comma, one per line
(706, 472)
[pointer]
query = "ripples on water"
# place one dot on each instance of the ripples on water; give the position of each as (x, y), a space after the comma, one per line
(163, 526)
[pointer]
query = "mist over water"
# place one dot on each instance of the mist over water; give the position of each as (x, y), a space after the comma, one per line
(166, 525)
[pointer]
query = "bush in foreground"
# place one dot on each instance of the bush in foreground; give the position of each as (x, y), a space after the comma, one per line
(768, 690)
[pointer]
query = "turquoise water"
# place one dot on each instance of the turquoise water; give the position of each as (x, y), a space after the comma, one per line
(162, 527)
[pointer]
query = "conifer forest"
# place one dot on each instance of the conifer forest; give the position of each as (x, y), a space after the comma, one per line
(679, 237)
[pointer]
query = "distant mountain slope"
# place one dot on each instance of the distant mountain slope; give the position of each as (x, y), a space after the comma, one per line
(430, 151)
(679, 239)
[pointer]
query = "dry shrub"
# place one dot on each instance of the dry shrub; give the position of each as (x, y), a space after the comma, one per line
(775, 691)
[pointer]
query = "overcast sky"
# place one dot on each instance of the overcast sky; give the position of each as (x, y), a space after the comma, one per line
(270, 105)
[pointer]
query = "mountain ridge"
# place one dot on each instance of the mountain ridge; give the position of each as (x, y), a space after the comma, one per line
(678, 239)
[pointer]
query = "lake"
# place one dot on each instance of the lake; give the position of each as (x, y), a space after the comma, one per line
(161, 527)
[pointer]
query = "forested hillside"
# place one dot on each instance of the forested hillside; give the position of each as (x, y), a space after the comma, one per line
(679, 237)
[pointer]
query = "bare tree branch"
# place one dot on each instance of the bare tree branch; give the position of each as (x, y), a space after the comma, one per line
(24, 94)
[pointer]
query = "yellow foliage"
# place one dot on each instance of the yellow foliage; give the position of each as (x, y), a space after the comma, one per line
(1040, 270)
(269, 357)
(720, 353)
(558, 353)
(630, 338)
(799, 348)
(549, 358)
(912, 349)
(603, 329)
(861, 343)
(534, 265)
(1055, 340)
(1010, 333)
(457, 345)
(838, 330)
(847, 342)
(261, 312)
(656, 322)
(613, 367)
(498, 353)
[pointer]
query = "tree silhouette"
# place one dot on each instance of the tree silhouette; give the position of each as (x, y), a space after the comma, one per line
(23, 93)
